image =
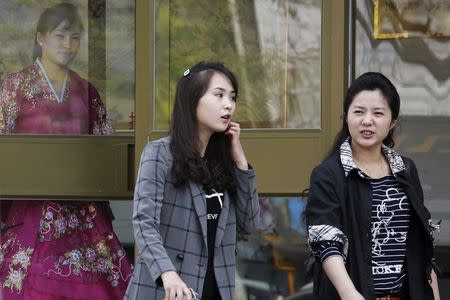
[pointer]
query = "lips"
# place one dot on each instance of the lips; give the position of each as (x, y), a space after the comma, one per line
(65, 54)
(226, 117)
(367, 133)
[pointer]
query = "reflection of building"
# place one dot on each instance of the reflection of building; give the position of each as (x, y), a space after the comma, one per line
(403, 19)
(289, 41)
(413, 64)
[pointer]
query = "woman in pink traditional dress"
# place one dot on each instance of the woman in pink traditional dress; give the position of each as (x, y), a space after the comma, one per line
(57, 249)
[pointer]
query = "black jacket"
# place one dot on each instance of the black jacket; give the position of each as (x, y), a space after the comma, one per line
(346, 203)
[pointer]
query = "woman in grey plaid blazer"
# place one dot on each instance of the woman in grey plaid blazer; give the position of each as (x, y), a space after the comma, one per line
(194, 192)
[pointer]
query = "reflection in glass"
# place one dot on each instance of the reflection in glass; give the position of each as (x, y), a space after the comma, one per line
(271, 264)
(403, 19)
(418, 66)
(274, 45)
(120, 63)
(123, 228)
(34, 92)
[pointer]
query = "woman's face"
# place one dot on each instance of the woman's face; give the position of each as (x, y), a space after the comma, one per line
(60, 45)
(216, 107)
(369, 120)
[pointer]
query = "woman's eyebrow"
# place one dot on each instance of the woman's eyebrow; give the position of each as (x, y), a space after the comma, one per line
(222, 89)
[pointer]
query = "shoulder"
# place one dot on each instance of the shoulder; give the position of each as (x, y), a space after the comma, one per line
(162, 142)
(158, 149)
(17, 83)
(17, 78)
(76, 81)
(74, 76)
(410, 168)
(329, 168)
(408, 162)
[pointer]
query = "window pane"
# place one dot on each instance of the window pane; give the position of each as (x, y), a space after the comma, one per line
(417, 66)
(40, 96)
(271, 264)
(274, 47)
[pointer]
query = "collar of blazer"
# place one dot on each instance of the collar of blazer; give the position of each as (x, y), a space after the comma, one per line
(199, 200)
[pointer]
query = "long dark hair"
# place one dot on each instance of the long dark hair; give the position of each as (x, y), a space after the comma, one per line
(51, 18)
(369, 81)
(216, 168)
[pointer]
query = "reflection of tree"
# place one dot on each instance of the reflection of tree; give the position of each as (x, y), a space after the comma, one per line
(275, 75)
(189, 31)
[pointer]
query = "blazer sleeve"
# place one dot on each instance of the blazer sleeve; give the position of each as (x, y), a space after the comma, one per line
(323, 210)
(148, 199)
(247, 201)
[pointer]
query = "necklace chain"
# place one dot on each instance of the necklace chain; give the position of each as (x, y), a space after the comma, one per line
(374, 170)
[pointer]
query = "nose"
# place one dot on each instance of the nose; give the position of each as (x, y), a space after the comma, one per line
(67, 42)
(228, 103)
(367, 119)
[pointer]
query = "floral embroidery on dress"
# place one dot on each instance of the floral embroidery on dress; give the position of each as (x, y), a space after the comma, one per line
(23, 257)
(35, 89)
(101, 124)
(5, 248)
(9, 109)
(96, 258)
(2, 257)
(59, 220)
(38, 88)
(18, 267)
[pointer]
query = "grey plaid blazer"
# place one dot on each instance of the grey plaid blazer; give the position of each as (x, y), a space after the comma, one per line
(170, 227)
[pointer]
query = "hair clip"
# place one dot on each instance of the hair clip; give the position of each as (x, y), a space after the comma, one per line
(186, 73)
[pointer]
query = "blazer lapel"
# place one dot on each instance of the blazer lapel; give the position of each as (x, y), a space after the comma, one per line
(199, 199)
(222, 223)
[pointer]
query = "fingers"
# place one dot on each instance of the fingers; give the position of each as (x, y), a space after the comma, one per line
(233, 129)
(174, 287)
(187, 293)
(180, 292)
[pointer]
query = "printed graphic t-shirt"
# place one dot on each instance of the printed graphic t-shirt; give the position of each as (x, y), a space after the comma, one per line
(214, 203)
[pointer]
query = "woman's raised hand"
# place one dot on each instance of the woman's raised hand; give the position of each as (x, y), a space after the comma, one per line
(237, 152)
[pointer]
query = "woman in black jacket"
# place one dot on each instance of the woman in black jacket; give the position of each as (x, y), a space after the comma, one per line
(368, 227)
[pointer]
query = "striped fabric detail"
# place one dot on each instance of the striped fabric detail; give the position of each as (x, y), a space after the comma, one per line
(329, 252)
(391, 211)
(327, 249)
(394, 159)
(323, 233)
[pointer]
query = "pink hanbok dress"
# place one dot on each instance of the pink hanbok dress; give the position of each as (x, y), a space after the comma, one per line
(57, 249)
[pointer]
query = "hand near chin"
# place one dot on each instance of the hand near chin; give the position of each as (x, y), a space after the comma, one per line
(174, 287)
(237, 152)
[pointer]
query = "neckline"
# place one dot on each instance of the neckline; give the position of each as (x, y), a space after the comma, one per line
(389, 176)
(63, 90)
